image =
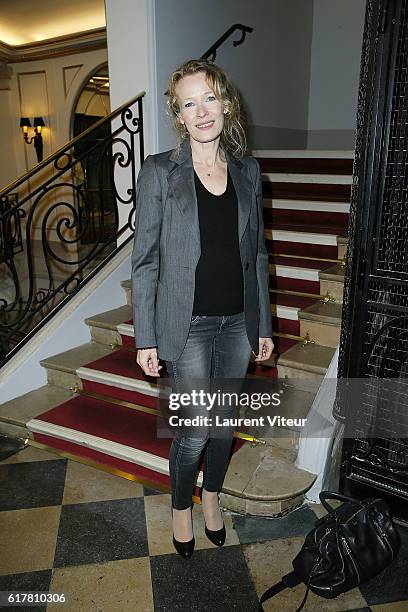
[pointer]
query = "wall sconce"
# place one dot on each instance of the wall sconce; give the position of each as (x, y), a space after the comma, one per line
(37, 138)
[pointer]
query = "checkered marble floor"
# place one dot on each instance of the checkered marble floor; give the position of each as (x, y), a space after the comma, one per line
(106, 543)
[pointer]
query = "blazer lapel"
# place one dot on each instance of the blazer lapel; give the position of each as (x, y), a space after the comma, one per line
(181, 182)
(243, 189)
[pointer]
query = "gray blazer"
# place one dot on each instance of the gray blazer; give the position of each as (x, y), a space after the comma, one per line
(166, 250)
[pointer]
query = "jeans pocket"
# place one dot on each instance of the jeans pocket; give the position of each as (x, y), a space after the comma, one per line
(195, 319)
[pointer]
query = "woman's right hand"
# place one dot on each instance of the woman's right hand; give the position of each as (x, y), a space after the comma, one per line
(147, 359)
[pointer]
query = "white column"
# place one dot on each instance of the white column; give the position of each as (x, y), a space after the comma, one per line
(132, 68)
(316, 439)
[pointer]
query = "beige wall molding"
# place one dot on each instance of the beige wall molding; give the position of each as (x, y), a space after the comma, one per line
(6, 72)
(48, 88)
(54, 47)
(69, 74)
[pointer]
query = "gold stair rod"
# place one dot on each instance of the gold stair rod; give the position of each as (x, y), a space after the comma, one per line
(101, 466)
(147, 410)
(305, 339)
(251, 439)
(114, 400)
(318, 296)
(342, 262)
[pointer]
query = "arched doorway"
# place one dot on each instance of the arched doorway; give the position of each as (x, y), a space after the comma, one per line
(92, 102)
(94, 173)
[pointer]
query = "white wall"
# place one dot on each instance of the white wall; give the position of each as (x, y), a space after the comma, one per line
(132, 65)
(298, 71)
(132, 69)
(334, 76)
(271, 68)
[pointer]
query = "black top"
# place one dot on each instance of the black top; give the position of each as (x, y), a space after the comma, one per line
(219, 283)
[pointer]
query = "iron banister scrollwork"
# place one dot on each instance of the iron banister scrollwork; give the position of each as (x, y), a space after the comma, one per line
(60, 152)
(10, 228)
(211, 53)
(68, 221)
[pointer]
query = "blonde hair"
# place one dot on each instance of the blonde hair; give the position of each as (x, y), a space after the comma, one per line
(232, 137)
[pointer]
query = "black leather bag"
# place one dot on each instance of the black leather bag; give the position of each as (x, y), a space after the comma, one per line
(347, 546)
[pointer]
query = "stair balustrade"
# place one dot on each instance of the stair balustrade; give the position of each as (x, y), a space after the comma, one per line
(61, 221)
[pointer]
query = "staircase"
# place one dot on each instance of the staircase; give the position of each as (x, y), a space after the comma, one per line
(306, 210)
(99, 408)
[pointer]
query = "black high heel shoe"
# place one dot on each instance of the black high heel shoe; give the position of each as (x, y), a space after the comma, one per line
(218, 536)
(185, 549)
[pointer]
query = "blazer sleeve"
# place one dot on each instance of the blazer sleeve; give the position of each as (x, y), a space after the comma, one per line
(262, 262)
(145, 254)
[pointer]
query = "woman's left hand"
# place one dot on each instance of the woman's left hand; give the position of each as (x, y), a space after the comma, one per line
(265, 349)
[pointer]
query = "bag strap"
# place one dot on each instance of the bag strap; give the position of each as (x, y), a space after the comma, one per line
(290, 580)
(324, 495)
(287, 581)
(311, 575)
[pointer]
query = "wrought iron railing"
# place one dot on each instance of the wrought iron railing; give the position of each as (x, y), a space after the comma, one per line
(10, 228)
(61, 220)
(211, 52)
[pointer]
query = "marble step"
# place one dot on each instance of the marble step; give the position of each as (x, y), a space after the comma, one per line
(110, 327)
(317, 189)
(304, 366)
(285, 271)
(276, 213)
(332, 282)
(297, 177)
(68, 368)
(302, 237)
(295, 404)
(322, 322)
(324, 329)
(334, 273)
(104, 326)
(304, 154)
(341, 247)
(277, 309)
(15, 413)
(263, 481)
(64, 370)
(107, 321)
(317, 165)
(307, 205)
(294, 272)
(127, 287)
(61, 367)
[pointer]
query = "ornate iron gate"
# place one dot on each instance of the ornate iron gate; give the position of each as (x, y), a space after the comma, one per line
(374, 335)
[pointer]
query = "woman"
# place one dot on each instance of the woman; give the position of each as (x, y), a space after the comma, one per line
(200, 279)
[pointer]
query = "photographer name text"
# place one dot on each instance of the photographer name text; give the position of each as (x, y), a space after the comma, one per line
(260, 421)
